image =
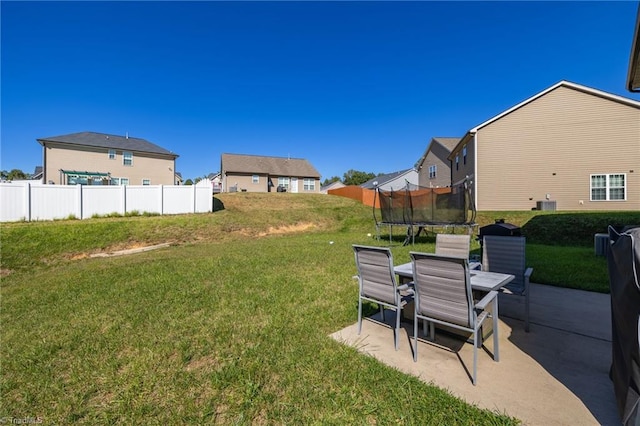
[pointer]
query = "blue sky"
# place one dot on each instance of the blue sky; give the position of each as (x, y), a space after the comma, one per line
(346, 85)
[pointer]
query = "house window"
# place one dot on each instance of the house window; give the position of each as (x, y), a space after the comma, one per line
(255, 179)
(119, 181)
(146, 181)
(608, 187)
(464, 154)
(309, 184)
(432, 172)
(112, 154)
(457, 162)
(283, 182)
(127, 158)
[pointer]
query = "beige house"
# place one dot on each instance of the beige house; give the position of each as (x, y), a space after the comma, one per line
(434, 167)
(569, 147)
(254, 173)
(90, 158)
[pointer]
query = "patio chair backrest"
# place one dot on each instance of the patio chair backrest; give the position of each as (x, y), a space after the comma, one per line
(506, 255)
(456, 245)
(443, 288)
(375, 271)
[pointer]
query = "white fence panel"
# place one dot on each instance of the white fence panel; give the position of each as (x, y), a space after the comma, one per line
(178, 199)
(14, 202)
(25, 201)
(144, 199)
(102, 200)
(204, 199)
(50, 202)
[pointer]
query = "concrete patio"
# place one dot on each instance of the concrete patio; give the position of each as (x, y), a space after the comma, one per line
(557, 374)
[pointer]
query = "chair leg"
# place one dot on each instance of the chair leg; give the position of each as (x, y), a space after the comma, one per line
(397, 329)
(382, 312)
(415, 336)
(475, 355)
(359, 315)
(526, 309)
(496, 340)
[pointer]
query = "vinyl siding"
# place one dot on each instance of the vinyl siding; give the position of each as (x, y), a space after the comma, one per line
(159, 171)
(245, 181)
(551, 146)
(437, 156)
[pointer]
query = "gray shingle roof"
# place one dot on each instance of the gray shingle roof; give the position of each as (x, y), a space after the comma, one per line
(277, 166)
(382, 179)
(448, 143)
(102, 140)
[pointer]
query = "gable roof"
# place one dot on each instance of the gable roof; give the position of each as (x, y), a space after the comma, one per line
(279, 166)
(567, 84)
(633, 76)
(574, 86)
(333, 185)
(447, 143)
(102, 140)
(383, 179)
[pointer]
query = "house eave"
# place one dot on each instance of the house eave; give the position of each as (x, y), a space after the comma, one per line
(633, 76)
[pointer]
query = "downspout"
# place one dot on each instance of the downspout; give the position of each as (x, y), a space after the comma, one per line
(44, 164)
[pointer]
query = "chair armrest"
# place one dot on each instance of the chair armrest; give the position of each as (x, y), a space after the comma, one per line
(527, 273)
(482, 304)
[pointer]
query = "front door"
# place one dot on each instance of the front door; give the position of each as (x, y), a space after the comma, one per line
(294, 185)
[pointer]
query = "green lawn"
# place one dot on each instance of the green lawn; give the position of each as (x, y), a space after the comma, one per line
(230, 324)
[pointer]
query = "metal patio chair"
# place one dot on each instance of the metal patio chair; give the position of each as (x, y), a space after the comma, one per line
(443, 295)
(507, 255)
(378, 283)
(456, 245)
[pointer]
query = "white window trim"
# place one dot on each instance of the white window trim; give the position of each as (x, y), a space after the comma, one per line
(255, 178)
(112, 154)
(607, 187)
(124, 158)
(433, 170)
(147, 180)
(309, 184)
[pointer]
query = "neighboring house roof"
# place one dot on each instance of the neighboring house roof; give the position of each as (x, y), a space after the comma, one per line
(382, 179)
(633, 77)
(278, 166)
(102, 140)
(333, 185)
(447, 143)
(212, 176)
(563, 83)
(37, 173)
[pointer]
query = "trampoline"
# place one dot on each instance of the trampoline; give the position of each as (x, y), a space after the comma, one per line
(416, 206)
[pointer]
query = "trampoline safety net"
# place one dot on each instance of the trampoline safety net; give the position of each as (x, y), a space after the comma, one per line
(421, 206)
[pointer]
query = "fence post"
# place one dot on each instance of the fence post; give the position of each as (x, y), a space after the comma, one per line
(161, 199)
(79, 209)
(194, 200)
(123, 199)
(27, 202)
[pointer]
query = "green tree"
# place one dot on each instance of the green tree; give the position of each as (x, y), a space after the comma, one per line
(356, 177)
(332, 179)
(188, 182)
(15, 174)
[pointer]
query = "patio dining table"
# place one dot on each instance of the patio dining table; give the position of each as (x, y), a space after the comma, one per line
(480, 280)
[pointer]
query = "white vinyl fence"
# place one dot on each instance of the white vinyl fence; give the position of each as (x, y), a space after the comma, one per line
(29, 202)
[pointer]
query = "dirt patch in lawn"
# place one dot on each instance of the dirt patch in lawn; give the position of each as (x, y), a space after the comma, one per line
(288, 229)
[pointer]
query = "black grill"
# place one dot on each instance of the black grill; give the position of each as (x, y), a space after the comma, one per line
(500, 228)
